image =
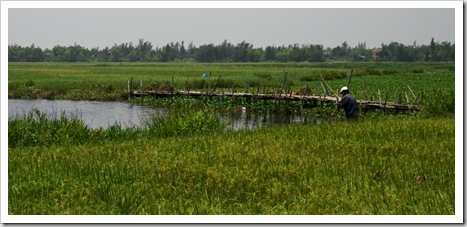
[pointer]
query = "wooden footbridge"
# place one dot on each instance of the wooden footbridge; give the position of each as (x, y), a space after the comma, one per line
(278, 96)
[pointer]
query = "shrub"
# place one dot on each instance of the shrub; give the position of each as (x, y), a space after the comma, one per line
(418, 70)
(390, 71)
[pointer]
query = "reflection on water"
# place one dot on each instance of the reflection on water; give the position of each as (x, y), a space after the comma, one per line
(95, 114)
(252, 120)
(98, 114)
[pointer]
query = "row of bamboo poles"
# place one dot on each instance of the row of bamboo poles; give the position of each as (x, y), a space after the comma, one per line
(283, 93)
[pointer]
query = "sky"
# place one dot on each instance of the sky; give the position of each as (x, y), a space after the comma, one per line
(261, 27)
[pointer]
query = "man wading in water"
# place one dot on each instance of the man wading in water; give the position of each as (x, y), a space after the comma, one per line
(349, 103)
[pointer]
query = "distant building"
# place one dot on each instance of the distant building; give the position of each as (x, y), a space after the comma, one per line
(374, 54)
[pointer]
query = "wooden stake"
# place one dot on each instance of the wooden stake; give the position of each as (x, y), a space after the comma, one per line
(324, 89)
(285, 79)
(257, 91)
(408, 101)
(328, 87)
(415, 102)
(414, 97)
(364, 91)
(350, 77)
(380, 101)
(209, 82)
(215, 86)
(303, 98)
(172, 86)
(320, 101)
(385, 101)
(130, 88)
(288, 101)
(276, 99)
(232, 97)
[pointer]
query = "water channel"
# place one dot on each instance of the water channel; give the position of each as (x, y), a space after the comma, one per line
(97, 114)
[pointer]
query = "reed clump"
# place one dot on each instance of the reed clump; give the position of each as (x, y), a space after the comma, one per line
(185, 122)
(39, 129)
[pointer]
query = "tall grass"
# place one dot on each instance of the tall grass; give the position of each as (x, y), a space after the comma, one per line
(396, 166)
(39, 129)
(438, 103)
(185, 122)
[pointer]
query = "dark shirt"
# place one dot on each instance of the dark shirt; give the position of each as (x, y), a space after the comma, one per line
(349, 103)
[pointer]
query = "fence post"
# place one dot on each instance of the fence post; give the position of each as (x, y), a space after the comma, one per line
(130, 88)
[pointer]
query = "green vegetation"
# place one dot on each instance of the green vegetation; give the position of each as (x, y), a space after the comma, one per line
(39, 129)
(241, 52)
(395, 166)
(108, 81)
(189, 163)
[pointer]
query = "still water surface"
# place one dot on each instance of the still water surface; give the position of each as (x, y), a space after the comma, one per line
(98, 114)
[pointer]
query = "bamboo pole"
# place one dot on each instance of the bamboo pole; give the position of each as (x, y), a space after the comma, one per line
(380, 101)
(276, 99)
(385, 102)
(303, 98)
(408, 101)
(364, 91)
(285, 80)
(412, 92)
(215, 86)
(288, 101)
(350, 77)
(415, 102)
(328, 87)
(172, 86)
(257, 91)
(231, 96)
(324, 89)
(130, 88)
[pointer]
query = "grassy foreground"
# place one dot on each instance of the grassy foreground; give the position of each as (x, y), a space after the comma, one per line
(393, 166)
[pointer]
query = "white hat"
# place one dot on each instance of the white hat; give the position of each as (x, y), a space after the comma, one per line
(344, 89)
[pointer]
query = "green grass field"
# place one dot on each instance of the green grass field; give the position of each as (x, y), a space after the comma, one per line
(108, 81)
(395, 166)
(188, 163)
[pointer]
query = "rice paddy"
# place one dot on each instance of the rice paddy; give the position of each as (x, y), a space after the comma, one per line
(396, 166)
(188, 163)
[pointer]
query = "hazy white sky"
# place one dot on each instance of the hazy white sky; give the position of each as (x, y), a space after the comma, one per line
(47, 27)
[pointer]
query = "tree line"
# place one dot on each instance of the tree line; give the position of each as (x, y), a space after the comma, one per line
(144, 51)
